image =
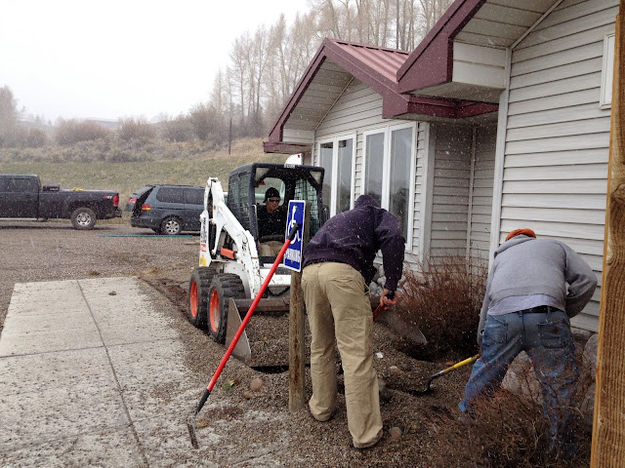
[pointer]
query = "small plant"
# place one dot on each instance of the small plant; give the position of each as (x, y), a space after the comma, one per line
(444, 300)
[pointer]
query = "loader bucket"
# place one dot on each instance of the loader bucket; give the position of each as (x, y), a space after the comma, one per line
(264, 342)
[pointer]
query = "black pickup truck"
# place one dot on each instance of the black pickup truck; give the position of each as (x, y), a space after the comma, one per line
(22, 196)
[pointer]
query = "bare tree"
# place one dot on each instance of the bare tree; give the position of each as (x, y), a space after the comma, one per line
(8, 116)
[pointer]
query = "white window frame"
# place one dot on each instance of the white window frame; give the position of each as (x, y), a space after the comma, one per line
(386, 170)
(335, 168)
(607, 71)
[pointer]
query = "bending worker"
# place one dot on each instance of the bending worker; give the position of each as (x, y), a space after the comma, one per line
(271, 224)
(527, 308)
(338, 267)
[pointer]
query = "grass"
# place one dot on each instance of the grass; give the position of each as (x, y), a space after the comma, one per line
(126, 177)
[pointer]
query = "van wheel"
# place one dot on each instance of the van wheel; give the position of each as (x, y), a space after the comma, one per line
(83, 218)
(197, 298)
(171, 226)
(222, 288)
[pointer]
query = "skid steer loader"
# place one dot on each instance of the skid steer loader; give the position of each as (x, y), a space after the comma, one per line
(231, 271)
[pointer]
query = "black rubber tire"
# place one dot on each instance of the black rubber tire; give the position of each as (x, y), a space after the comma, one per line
(197, 297)
(171, 226)
(83, 218)
(222, 288)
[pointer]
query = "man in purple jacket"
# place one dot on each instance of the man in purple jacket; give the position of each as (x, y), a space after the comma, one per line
(338, 267)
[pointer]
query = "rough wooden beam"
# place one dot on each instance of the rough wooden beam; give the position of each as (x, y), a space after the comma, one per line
(608, 438)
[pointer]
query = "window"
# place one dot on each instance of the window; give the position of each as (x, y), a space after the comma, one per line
(194, 196)
(607, 71)
(170, 195)
(337, 158)
(389, 171)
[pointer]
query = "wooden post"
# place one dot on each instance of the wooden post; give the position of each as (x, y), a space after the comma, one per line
(297, 330)
(608, 435)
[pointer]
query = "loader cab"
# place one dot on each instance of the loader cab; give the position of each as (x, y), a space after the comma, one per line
(248, 184)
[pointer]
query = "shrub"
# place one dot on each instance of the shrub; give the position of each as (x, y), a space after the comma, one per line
(444, 300)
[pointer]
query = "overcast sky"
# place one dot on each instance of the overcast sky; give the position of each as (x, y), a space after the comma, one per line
(122, 58)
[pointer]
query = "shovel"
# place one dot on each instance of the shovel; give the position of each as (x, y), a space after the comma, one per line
(248, 316)
(458, 365)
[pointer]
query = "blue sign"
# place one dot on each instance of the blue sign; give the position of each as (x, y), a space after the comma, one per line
(293, 255)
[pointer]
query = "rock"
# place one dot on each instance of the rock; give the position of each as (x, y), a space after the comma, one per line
(590, 353)
(385, 393)
(395, 433)
(520, 378)
(248, 395)
(394, 370)
(256, 384)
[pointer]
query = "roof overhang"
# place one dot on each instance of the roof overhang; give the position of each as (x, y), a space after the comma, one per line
(330, 73)
(464, 56)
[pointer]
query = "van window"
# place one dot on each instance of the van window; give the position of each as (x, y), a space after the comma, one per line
(194, 196)
(170, 195)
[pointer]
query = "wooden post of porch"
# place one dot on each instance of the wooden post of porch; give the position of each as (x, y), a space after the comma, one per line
(297, 330)
(608, 435)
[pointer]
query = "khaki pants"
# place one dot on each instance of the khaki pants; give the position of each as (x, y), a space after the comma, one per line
(270, 248)
(338, 307)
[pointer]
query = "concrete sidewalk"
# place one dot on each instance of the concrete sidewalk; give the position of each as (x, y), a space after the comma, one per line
(91, 374)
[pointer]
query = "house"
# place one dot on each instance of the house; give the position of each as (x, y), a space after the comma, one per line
(499, 119)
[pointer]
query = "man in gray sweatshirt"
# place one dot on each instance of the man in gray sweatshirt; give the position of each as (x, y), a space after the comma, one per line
(534, 287)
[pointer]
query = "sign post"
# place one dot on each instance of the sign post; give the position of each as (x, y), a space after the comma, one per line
(299, 212)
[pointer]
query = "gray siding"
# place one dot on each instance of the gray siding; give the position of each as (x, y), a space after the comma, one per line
(481, 196)
(450, 197)
(557, 138)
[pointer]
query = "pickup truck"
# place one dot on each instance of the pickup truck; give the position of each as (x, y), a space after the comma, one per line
(22, 196)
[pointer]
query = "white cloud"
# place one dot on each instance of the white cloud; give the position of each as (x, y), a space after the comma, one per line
(116, 58)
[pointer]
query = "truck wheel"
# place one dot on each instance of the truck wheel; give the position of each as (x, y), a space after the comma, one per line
(222, 288)
(83, 218)
(171, 226)
(197, 298)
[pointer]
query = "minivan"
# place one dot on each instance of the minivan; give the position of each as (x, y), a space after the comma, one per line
(167, 209)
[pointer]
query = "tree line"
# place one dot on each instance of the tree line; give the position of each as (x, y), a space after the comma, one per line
(265, 66)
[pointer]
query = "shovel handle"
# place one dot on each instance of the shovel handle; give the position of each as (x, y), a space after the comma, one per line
(457, 365)
(250, 312)
(380, 307)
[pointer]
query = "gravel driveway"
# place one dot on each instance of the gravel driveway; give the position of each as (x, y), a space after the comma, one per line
(413, 426)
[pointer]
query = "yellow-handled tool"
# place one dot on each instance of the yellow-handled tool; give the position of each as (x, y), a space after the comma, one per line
(443, 372)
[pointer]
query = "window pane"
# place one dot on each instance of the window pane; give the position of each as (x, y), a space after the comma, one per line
(374, 157)
(401, 150)
(345, 175)
(325, 161)
(305, 191)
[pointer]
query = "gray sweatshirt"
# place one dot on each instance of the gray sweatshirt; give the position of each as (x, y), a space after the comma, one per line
(525, 266)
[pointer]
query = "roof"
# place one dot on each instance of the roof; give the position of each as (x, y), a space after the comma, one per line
(484, 24)
(330, 72)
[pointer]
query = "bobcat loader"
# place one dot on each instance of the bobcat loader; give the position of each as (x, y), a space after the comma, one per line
(231, 271)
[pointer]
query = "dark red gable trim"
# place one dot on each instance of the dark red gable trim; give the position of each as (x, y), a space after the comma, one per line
(284, 148)
(431, 63)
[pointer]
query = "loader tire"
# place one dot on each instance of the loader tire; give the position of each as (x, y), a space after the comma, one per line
(197, 297)
(222, 288)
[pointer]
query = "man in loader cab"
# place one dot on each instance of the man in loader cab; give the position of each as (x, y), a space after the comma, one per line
(271, 224)
(338, 267)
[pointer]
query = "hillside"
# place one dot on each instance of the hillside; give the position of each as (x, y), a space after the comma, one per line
(182, 164)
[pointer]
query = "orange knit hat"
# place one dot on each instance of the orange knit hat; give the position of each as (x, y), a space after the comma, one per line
(516, 232)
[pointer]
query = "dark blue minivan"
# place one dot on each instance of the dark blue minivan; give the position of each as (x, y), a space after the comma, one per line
(167, 209)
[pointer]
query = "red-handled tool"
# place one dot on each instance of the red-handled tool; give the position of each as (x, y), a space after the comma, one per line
(380, 307)
(246, 319)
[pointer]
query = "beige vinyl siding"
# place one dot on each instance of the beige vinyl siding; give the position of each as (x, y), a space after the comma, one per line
(450, 197)
(358, 110)
(557, 138)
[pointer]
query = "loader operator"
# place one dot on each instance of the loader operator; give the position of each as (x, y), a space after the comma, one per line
(338, 267)
(527, 308)
(271, 224)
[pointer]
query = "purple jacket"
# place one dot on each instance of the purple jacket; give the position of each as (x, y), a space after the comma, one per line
(354, 237)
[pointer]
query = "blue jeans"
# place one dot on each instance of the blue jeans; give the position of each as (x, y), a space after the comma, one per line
(546, 338)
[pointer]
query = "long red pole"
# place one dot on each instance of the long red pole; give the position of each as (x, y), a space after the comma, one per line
(246, 319)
